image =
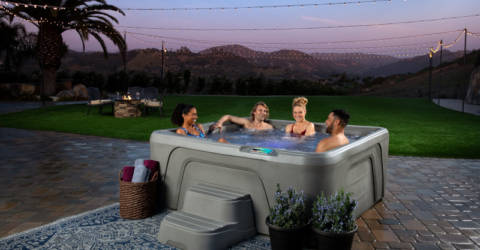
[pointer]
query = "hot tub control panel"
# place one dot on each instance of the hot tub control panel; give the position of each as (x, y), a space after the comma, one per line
(258, 150)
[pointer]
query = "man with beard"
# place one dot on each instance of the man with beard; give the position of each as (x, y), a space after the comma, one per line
(257, 120)
(336, 122)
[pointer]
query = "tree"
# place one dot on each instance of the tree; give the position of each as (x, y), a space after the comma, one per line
(477, 59)
(140, 79)
(89, 79)
(15, 44)
(86, 17)
(186, 79)
(117, 81)
(200, 84)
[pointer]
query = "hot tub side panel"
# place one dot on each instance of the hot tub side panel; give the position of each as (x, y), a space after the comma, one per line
(359, 170)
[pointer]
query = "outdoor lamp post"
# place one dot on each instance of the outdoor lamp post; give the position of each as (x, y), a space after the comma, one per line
(430, 57)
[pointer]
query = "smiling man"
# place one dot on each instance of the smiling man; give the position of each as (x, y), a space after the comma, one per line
(336, 122)
(257, 121)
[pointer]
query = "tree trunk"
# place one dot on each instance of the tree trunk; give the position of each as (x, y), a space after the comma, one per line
(49, 80)
(50, 52)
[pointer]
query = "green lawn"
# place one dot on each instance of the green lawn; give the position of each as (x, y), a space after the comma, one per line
(417, 127)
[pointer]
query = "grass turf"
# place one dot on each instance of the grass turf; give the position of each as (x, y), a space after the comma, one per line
(417, 127)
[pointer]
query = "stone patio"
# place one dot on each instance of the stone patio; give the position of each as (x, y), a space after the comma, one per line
(430, 203)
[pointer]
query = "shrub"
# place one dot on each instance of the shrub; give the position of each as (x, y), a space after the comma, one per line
(335, 213)
(288, 210)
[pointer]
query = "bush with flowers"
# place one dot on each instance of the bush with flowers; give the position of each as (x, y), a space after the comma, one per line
(288, 210)
(334, 213)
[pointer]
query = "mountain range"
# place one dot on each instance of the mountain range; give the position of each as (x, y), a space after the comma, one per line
(236, 61)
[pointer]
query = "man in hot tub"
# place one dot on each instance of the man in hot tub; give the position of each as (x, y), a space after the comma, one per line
(257, 120)
(336, 122)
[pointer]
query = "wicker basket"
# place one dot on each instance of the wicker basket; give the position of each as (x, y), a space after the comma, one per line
(138, 200)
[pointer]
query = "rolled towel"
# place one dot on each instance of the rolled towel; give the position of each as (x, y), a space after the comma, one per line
(127, 173)
(152, 165)
(139, 162)
(147, 175)
(141, 173)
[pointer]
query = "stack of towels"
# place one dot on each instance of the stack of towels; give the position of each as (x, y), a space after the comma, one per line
(143, 171)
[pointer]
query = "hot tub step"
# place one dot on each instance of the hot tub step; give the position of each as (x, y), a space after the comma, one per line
(218, 203)
(212, 217)
(189, 231)
(219, 192)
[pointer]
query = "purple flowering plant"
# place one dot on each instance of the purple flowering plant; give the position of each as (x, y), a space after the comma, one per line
(288, 210)
(334, 213)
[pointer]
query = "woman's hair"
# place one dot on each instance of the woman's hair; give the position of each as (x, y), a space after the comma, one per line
(179, 110)
(300, 102)
(260, 103)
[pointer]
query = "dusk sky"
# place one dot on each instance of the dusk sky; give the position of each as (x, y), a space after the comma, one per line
(305, 40)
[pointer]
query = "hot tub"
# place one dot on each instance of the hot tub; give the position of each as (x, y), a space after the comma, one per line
(359, 167)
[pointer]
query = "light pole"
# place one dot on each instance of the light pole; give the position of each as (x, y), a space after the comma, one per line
(430, 57)
(164, 50)
(465, 64)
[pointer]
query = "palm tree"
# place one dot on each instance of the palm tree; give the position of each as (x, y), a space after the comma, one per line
(15, 44)
(86, 17)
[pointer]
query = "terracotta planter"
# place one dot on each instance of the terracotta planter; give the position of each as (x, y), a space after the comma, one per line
(290, 239)
(330, 240)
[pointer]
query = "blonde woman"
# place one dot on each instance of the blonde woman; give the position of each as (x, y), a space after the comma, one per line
(301, 125)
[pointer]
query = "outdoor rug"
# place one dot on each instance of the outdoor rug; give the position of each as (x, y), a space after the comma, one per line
(102, 228)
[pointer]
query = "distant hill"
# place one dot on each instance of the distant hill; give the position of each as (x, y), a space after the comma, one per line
(355, 63)
(411, 65)
(236, 61)
(278, 64)
(232, 61)
(449, 80)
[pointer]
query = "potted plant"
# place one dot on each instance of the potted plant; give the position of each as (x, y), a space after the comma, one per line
(287, 222)
(333, 222)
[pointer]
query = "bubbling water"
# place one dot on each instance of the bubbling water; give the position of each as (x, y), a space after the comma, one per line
(276, 138)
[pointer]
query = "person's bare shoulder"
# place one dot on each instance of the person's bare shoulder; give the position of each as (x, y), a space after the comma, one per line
(310, 129)
(181, 131)
(323, 145)
(268, 126)
(288, 128)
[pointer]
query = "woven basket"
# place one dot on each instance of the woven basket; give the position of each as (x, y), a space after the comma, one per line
(138, 200)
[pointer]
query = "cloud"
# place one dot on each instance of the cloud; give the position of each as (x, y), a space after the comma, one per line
(321, 20)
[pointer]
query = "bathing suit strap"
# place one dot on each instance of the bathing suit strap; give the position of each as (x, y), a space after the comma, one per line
(303, 133)
(200, 135)
(186, 131)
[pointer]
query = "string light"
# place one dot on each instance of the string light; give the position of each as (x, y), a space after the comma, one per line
(395, 52)
(302, 5)
(219, 52)
(27, 5)
(446, 46)
(307, 57)
(9, 4)
(5, 5)
(473, 34)
(223, 8)
(432, 51)
(298, 48)
(302, 28)
(320, 57)
(387, 50)
(296, 43)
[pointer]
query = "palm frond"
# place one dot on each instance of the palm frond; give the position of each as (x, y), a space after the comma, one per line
(87, 17)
